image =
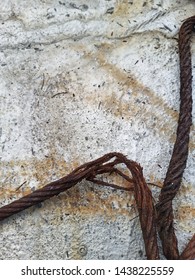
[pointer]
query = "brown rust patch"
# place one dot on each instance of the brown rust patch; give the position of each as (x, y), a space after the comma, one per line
(188, 189)
(123, 9)
(186, 214)
(94, 202)
(41, 171)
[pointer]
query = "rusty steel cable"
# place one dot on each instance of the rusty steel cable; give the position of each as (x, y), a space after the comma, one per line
(86, 170)
(152, 218)
(179, 156)
(89, 171)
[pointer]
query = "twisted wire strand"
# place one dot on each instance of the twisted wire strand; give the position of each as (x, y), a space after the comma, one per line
(52, 189)
(89, 171)
(147, 212)
(180, 151)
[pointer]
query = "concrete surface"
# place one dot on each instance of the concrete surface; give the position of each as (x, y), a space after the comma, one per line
(79, 79)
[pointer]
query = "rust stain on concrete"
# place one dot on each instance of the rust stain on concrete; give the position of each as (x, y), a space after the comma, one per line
(128, 81)
(15, 173)
(167, 117)
(94, 204)
(116, 103)
(186, 214)
(122, 9)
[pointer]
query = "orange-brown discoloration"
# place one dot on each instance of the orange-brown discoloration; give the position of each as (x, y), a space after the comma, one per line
(121, 8)
(128, 109)
(166, 116)
(18, 172)
(186, 214)
(92, 204)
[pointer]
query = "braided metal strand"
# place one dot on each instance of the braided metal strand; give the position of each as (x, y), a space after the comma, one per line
(146, 209)
(147, 212)
(143, 195)
(34, 198)
(180, 151)
(53, 188)
(86, 171)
